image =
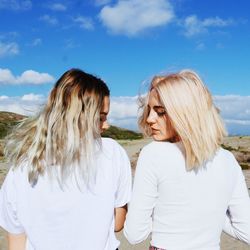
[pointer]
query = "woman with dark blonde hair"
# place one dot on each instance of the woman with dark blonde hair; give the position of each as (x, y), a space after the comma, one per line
(67, 188)
(187, 188)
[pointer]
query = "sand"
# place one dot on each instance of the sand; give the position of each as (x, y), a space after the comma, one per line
(133, 148)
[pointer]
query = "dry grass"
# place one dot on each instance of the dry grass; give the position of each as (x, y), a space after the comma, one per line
(1, 148)
(240, 147)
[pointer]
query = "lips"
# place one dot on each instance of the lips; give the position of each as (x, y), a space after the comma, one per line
(154, 130)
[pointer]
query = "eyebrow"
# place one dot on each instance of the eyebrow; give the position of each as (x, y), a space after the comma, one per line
(158, 107)
(104, 113)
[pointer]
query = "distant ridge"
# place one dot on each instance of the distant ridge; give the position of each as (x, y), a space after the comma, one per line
(121, 134)
(10, 116)
(9, 119)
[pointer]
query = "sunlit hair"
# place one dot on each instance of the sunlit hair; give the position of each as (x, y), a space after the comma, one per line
(64, 135)
(192, 113)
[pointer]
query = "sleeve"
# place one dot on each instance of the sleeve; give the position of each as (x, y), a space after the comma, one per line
(138, 224)
(123, 193)
(8, 206)
(237, 222)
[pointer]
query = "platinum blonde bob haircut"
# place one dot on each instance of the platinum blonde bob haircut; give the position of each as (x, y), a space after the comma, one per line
(192, 113)
(63, 135)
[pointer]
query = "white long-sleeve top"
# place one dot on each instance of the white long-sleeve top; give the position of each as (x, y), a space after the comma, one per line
(187, 210)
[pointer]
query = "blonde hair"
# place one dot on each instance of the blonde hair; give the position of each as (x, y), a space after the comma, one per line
(64, 134)
(192, 113)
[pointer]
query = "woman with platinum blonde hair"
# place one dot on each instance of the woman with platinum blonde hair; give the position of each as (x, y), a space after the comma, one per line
(187, 188)
(67, 188)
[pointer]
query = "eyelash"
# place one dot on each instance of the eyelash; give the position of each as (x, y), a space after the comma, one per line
(161, 113)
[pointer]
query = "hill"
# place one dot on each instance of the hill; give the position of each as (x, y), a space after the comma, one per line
(121, 134)
(8, 120)
(238, 145)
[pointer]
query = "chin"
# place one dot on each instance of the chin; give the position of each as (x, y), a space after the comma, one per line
(159, 138)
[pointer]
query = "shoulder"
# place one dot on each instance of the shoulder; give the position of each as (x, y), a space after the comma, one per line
(157, 148)
(118, 156)
(17, 176)
(227, 161)
(112, 148)
(109, 143)
(11, 180)
(226, 156)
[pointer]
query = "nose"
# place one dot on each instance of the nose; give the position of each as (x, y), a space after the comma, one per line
(151, 117)
(105, 125)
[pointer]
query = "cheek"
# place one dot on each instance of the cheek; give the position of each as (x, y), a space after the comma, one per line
(164, 126)
(167, 128)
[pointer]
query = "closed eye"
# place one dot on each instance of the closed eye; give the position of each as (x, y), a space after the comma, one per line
(103, 116)
(160, 110)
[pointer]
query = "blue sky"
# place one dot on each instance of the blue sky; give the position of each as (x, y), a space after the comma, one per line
(126, 42)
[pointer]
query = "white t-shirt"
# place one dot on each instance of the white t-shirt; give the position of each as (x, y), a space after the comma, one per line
(186, 210)
(68, 219)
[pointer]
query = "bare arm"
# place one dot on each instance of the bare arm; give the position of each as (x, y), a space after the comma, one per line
(16, 241)
(120, 215)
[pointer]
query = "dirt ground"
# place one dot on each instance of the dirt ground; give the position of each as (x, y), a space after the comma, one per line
(133, 148)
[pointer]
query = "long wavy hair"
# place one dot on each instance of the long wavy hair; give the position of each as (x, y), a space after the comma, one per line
(191, 112)
(64, 134)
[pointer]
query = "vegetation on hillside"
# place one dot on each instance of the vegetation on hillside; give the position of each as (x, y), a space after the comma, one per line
(7, 121)
(121, 134)
(239, 146)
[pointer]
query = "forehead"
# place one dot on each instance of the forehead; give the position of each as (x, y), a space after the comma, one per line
(154, 99)
(106, 102)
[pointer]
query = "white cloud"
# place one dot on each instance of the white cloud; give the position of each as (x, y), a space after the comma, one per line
(36, 42)
(70, 44)
(27, 77)
(102, 2)
(240, 122)
(11, 35)
(194, 26)
(235, 110)
(49, 19)
(3, 97)
(9, 49)
(219, 46)
(31, 97)
(84, 22)
(131, 17)
(122, 107)
(23, 105)
(234, 106)
(15, 4)
(123, 112)
(58, 7)
(200, 46)
(216, 22)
